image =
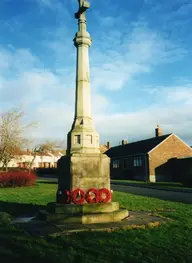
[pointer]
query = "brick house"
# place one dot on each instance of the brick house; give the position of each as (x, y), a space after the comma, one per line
(148, 159)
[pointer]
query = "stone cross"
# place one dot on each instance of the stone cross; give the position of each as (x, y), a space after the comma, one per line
(83, 166)
(83, 6)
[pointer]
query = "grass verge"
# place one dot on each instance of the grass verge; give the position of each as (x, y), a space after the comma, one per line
(171, 242)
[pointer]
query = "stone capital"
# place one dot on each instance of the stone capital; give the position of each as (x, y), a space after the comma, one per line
(82, 40)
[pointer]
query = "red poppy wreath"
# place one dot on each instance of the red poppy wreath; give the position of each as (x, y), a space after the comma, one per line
(90, 193)
(106, 193)
(78, 196)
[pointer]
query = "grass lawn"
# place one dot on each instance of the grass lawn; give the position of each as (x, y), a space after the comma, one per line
(169, 243)
(168, 185)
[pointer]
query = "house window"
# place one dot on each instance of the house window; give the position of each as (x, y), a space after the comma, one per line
(47, 165)
(77, 139)
(40, 165)
(137, 161)
(115, 163)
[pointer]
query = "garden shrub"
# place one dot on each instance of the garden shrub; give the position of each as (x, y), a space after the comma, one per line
(17, 178)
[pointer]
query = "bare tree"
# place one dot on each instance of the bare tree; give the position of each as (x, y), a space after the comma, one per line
(12, 136)
(49, 146)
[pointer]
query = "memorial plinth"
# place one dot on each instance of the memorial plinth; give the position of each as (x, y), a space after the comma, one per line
(83, 214)
(84, 167)
(83, 170)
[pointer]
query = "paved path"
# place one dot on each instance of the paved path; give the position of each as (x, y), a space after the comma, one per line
(154, 186)
(157, 193)
(161, 194)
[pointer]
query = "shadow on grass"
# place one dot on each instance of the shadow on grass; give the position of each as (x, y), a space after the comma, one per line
(16, 246)
(131, 246)
(18, 209)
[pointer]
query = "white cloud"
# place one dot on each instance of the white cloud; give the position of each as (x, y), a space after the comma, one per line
(28, 86)
(116, 58)
(48, 3)
(52, 4)
(152, 47)
(138, 52)
(181, 95)
(142, 124)
(46, 97)
(50, 98)
(60, 7)
(16, 60)
(175, 94)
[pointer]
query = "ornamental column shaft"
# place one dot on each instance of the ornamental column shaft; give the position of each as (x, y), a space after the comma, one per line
(83, 97)
(82, 137)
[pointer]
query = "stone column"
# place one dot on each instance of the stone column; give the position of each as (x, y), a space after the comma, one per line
(82, 137)
(83, 166)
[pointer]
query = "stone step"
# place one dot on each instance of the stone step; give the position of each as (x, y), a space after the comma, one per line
(80, 218)
(84, 209)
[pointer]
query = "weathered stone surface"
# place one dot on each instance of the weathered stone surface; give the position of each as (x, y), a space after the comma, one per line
(84, 171)
(115, 216)
(135, 220)
(82, 137)
(83, 209)
(83, 166)
(83, 218)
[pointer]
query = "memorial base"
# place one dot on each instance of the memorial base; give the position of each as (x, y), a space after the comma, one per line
(83, 214)
(82, 170)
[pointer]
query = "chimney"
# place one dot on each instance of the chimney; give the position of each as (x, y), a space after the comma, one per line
(108, 145)
(28, 151)
(124, 142)
(158, 131)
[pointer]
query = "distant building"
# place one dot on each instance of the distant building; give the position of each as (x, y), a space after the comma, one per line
(104, 147)
(147, 159)
(48, 160)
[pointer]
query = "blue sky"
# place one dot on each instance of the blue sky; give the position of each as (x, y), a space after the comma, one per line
(140, 60)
